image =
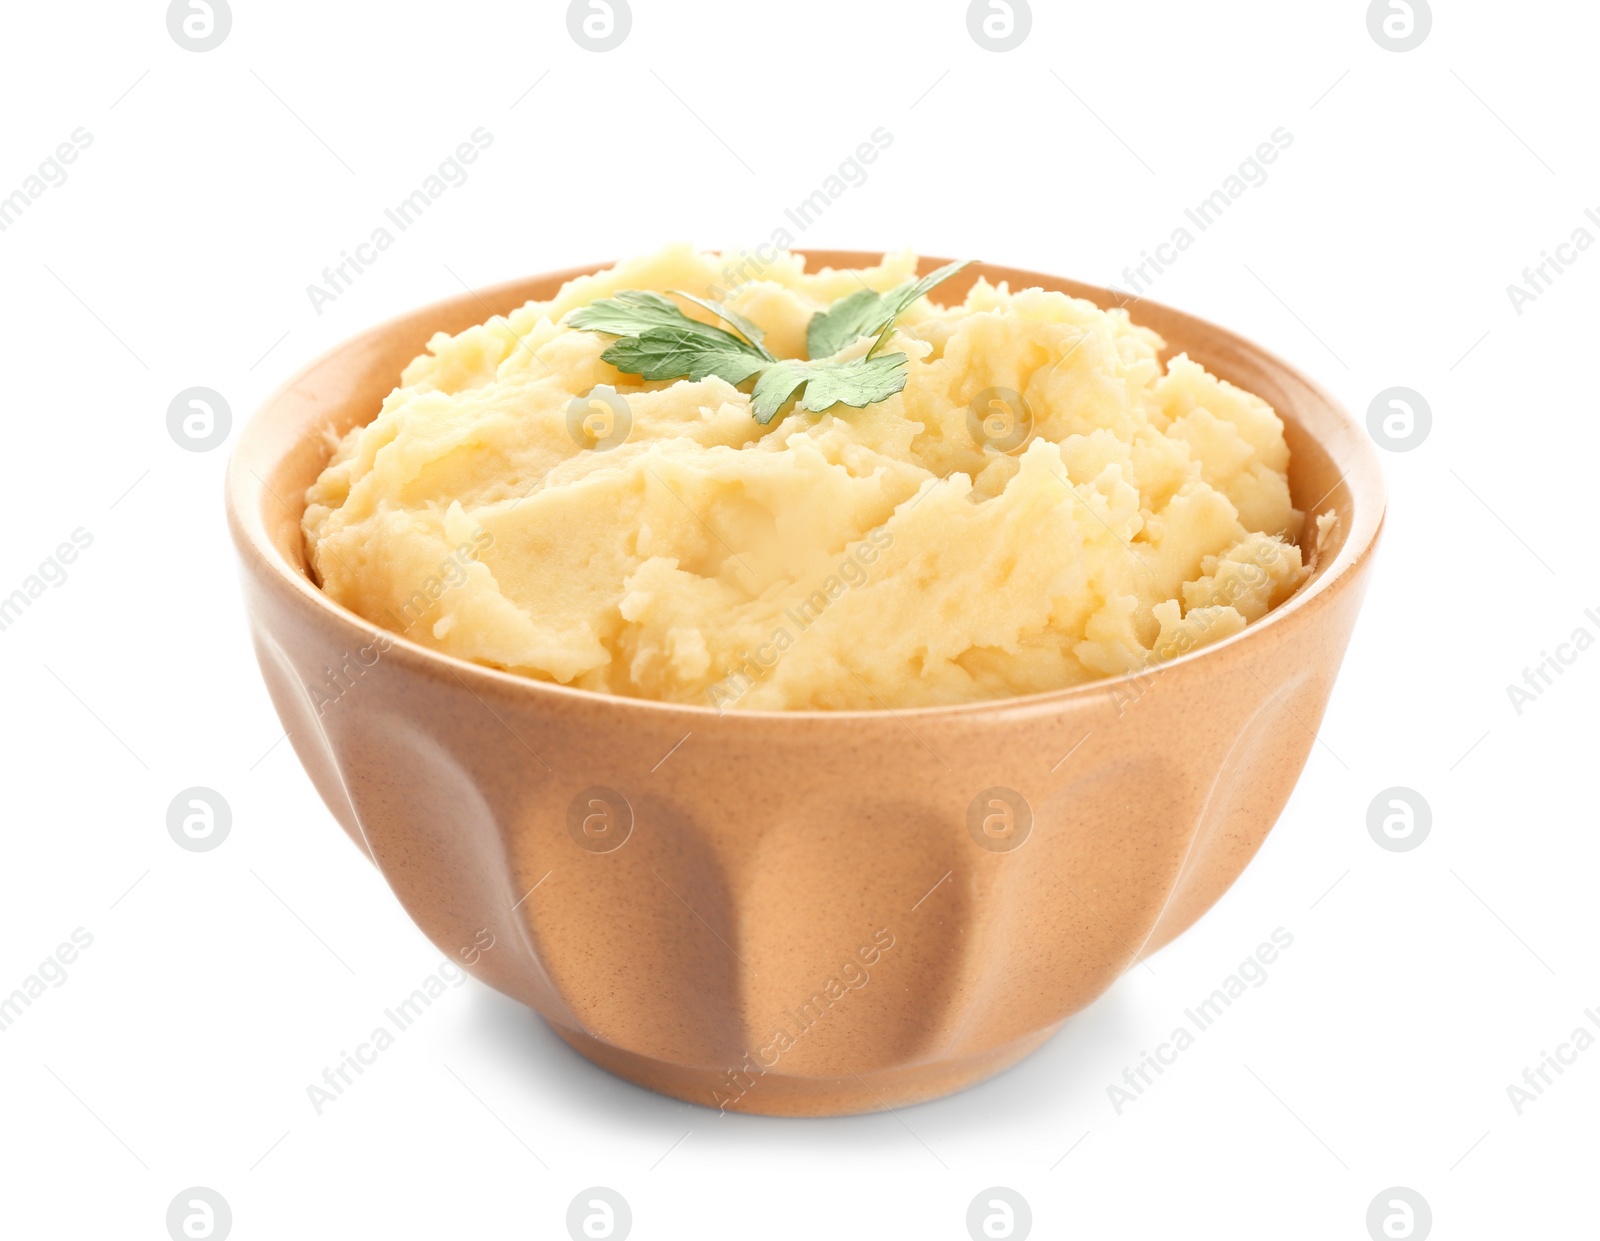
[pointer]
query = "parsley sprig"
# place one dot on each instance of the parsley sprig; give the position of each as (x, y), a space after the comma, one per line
(656, 340)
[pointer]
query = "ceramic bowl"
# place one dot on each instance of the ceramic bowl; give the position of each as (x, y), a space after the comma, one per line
(806, 913)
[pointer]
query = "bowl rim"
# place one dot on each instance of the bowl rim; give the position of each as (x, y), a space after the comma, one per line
(1362, 475)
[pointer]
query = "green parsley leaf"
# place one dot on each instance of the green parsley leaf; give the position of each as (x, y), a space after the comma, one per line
(676, 353)
(867, 312)
(846, 320)
(734, 319)
(858, 383)
(928, 284)
(657, 341)
(635, 311)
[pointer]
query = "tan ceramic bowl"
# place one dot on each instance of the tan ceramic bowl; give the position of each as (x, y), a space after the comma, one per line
(801, 913)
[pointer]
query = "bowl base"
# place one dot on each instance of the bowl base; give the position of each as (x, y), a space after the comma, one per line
(778, 1094)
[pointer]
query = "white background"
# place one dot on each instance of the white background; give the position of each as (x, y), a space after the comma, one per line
(218, 185)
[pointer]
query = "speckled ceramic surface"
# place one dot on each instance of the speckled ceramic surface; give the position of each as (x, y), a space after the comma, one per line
(807, 913)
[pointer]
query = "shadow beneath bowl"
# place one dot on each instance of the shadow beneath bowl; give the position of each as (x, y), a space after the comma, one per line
(520, 1038)
(1061, 1084)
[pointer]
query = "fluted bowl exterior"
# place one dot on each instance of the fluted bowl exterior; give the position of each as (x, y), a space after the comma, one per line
(798, 913)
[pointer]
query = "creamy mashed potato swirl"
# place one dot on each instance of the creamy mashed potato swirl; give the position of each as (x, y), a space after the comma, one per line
(891, 556)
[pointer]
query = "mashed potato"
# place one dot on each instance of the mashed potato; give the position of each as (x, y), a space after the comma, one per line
(519, 502)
